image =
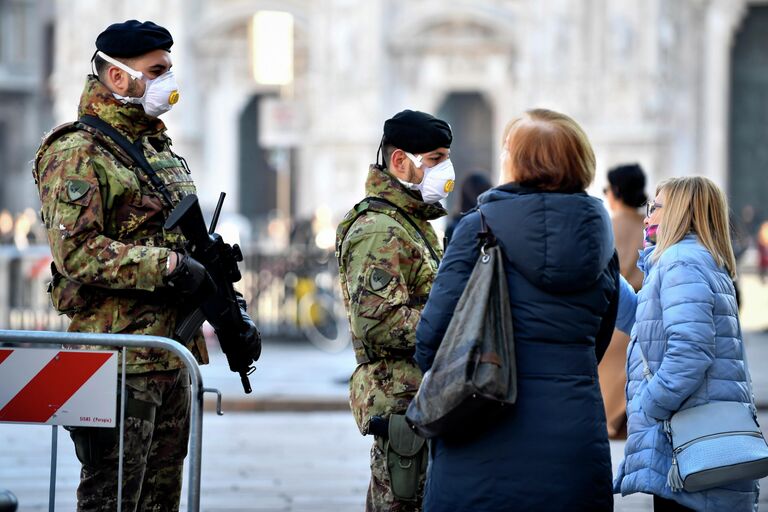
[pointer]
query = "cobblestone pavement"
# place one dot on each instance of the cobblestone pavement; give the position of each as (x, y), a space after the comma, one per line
(309, 459)
(281, 462)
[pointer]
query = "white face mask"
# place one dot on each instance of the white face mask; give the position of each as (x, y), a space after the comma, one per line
(438, 181)
(160, 94)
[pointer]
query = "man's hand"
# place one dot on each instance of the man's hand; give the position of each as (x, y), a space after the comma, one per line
(188, 276)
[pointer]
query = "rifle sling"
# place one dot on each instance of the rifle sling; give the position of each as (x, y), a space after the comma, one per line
(133, 150)
(372, 199)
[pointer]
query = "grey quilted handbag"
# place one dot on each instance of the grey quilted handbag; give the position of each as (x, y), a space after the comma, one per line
(714, 444)
(474, 376)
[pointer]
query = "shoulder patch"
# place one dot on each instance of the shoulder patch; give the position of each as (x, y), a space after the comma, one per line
(379, 279)
(77, 189)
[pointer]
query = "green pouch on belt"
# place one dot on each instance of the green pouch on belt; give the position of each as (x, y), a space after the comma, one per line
(406, 458)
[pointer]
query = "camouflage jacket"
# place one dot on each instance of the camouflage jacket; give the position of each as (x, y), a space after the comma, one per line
(105, 226)
(386, 272)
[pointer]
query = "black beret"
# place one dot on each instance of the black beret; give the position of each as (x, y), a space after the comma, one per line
(133, 38)
(417, 132)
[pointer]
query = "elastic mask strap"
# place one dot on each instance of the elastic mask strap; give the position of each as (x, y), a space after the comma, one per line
(415, 159)
(136, 75)
(379, 157)
(93, 64)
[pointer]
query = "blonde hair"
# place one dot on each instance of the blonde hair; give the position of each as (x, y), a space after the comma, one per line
(548, 151)
(695, 204)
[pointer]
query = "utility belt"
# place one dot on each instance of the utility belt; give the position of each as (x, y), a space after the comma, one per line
(158, 296)
(69, 297)
(406, 454)
(363, 354)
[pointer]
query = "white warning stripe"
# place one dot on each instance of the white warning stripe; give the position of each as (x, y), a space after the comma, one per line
(78, 387)
(22, 366)
(102, 383)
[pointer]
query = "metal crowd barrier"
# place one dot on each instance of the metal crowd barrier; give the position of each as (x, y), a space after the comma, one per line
(33, 338)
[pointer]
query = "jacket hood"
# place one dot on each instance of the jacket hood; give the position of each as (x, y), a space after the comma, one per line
(561, 242)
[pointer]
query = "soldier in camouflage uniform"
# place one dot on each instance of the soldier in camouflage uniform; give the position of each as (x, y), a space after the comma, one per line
(388, 257)
(116, 270)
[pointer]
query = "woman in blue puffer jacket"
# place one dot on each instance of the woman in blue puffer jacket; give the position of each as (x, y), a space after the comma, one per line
(686, 323)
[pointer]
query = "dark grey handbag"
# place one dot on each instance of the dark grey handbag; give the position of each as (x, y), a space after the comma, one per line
(473, 377)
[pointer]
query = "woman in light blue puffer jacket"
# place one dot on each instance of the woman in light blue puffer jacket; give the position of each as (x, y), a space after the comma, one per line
(687, 324)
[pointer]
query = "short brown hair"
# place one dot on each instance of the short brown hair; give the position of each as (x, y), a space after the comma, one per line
(549, 151)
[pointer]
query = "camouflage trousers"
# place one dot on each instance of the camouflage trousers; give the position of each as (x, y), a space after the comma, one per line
(155, 445)
(380, 497)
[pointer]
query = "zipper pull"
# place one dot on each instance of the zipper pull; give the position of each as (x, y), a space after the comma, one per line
(667, 427)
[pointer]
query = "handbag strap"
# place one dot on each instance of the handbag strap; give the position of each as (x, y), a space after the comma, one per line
(748, 376)
(485, 236)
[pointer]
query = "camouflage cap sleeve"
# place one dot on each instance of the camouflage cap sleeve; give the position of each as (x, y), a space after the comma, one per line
(379, 260)
(70, 177)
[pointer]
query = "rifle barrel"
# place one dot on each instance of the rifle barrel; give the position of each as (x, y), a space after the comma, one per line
(216, 213)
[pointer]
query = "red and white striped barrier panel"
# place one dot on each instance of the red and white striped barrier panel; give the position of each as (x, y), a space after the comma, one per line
(58, 387)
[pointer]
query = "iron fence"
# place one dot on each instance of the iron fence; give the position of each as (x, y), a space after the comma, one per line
(292, 293)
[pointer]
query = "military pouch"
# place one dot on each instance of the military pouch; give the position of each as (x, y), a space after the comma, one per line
(406, 456)
(95, 445)
(66, 296)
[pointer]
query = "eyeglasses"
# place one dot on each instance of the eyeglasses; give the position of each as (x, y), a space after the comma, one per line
(650, 207)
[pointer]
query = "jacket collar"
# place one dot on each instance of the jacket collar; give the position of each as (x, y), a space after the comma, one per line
(645, 260)
(512, 188)
(382, 184)
(129, 119)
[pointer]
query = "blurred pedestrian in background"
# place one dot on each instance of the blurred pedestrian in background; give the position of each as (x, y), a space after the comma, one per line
(762, 250)
(388, 257)
(743, 230)
(469, 190)
(688, 330)
(550, 450)
(625, 194)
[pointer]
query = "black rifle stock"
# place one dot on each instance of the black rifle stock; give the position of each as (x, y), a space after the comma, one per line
(221, 308)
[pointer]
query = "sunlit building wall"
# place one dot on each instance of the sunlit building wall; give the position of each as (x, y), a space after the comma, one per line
(650, 80)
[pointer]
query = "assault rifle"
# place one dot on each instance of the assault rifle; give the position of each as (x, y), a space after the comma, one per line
(224, 309)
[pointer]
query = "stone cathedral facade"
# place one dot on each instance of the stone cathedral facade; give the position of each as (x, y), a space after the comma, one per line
(675, 85)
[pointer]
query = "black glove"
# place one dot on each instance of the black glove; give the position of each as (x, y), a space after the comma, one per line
(379, 427)
(190, 277)
(250, 334)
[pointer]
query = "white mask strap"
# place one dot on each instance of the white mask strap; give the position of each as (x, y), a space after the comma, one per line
(136, 75)
(415, 159)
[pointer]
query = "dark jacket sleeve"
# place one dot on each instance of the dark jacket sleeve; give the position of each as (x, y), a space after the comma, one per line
(452, 277)
(605, 333)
